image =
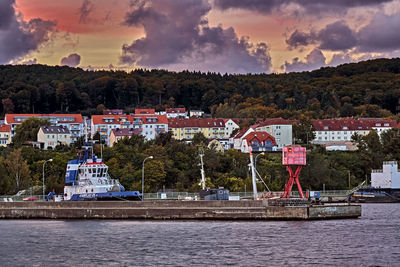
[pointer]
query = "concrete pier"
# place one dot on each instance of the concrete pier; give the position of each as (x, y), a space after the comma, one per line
(174, 210)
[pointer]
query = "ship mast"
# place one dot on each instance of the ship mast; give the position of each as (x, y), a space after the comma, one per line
(253, 176)
(203, 178)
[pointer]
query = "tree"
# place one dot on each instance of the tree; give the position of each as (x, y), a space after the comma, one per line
(28, 130)
(199, 139)
(303, 132)
(18, 169)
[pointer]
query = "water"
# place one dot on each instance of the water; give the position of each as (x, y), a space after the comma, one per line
(372, 240)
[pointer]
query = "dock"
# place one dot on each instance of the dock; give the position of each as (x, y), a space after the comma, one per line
(177, 210)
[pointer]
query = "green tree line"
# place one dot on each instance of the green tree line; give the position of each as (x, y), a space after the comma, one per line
(175, 165)
(367, 89)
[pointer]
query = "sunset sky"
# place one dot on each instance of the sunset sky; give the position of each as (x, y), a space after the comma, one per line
(233, 36)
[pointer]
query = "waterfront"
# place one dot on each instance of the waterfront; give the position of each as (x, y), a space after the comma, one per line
(371, 240)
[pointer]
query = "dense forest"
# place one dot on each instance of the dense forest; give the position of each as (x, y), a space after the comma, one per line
(368, 89)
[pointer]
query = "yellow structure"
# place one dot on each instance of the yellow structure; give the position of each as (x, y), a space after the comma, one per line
(185, 129)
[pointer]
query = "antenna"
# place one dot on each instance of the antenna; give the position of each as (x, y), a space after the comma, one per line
(85, 132)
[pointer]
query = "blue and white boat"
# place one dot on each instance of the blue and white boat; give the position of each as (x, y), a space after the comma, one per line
(87, 178)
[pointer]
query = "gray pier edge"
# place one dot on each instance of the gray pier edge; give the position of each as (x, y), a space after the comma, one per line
(174, 210)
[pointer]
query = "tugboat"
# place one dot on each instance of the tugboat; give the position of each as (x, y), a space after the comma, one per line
(87, 178)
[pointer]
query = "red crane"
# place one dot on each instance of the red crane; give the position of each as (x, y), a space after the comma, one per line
(293, 156)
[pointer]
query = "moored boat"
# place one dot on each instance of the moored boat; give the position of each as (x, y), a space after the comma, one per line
(87, 178)
(385, 185)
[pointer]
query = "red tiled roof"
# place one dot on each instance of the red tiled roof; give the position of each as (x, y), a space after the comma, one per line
(145, 111)
(125, 132)
(240, 133)
(260, 136)
(99, 119)
(196, 123)
(5, 128)
(276, 121)
(352, 124)
(160, 118)
(175, 110)
(10, 118)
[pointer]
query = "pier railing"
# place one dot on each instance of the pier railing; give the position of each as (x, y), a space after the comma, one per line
(187, 195)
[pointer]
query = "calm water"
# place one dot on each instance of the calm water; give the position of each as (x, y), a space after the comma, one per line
(372, 240)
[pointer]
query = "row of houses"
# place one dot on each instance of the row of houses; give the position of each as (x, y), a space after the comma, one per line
(265, 135)
(171, 113)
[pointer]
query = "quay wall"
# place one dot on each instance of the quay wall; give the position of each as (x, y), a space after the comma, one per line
(173, 209)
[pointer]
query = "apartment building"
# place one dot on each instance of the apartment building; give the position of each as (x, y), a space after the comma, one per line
(5, 135)
(73, 122)
(148, 125)
(185, 129)
(279, 128)
(341, 129)
(118, 134)
(52, 136)
(173, 113)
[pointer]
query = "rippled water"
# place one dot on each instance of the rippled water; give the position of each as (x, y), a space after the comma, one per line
(372, 240)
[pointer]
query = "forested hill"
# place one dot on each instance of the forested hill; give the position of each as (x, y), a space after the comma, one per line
(369, 89)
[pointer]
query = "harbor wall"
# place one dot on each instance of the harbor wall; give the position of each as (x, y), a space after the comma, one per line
(173, 209)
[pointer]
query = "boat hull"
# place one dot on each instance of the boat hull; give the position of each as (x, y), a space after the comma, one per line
(376, 195)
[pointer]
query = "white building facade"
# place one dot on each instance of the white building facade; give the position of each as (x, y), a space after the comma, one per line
(388, 177)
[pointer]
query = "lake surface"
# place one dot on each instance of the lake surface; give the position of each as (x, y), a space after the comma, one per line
(372, 240)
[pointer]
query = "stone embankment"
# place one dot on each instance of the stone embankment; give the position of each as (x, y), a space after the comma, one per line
(175, 210)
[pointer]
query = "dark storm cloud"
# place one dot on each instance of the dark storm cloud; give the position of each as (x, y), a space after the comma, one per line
(337, 36)
(6, 13)
(314, 60)
(84, 11)
(72, 60)
(178, 37)
(298, 38)
(310, 6)
(17, 37)
(382, 34)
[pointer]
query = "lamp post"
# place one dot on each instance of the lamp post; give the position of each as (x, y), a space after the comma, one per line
(44, 163)
(149, 157)
(255, 161)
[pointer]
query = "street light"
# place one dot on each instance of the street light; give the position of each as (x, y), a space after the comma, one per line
(255, 161)
(43, 173)
(149, 157)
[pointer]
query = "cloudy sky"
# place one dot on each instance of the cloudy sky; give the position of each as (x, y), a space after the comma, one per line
(233, 36)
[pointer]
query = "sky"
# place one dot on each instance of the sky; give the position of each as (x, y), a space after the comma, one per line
(226, 36)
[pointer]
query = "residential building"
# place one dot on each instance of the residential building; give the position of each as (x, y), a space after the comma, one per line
(185, 129)
(235, 141)
(153, 125)
(341, 145)
(118, 134)
(216, 145)
(148, 125)
(230, 126)
(5, 135)
(113, 112)
(258, 142)
(341, 129)
(279, 128)
(145, 111)
(73, 122)
(196, 113)
(52, 136)
(173, 113)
